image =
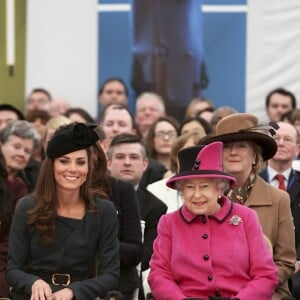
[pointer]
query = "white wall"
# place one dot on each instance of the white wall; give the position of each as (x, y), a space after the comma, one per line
(62, 50)
(273, 51)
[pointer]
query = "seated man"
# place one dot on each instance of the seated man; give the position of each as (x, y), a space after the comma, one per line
(127, 161)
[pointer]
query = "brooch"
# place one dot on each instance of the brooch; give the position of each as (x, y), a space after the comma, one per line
(235, 220)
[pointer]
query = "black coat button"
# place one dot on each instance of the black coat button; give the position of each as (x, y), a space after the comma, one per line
(210, 277)
(218, 294)
(205, 236)
(206, 257)
(204, 220)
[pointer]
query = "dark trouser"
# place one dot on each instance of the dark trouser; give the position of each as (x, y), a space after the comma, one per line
(296, 286)
(128, 295)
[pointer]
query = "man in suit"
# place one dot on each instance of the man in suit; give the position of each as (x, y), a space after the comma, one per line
(127, 161)
(287, 139)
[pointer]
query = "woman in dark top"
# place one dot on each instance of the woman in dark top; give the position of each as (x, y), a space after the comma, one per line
(10, 192)
(124, 197)
(64, 230)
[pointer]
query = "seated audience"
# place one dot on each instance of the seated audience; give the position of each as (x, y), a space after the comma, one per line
(18, 141)
(113, 91)
(80, 115)
(211, 248)
(38, 118)
(149, 107)
(10, 192)
(198, 106)
(195, 123)
(58, 107)
(220, 113)
(160, 138)
(116, 119)
(278, 102)
(38, 98)
(9, 113)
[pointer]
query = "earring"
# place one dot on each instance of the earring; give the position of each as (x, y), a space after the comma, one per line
(220, 196)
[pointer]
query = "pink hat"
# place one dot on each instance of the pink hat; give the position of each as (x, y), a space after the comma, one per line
(200, 162)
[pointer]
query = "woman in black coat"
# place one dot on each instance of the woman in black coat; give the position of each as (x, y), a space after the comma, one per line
(63, 242)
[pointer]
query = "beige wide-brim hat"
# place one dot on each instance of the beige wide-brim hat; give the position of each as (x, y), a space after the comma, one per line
(243, 127)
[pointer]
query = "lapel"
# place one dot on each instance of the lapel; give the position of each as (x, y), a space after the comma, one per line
(259, 195)
(294, 185)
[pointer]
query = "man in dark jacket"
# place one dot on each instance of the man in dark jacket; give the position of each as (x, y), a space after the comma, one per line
(287, 139)
(127, 161)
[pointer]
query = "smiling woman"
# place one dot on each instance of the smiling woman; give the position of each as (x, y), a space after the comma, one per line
(228, 257)
(62, 230)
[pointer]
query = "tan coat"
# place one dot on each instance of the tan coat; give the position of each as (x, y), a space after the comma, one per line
(273, 209)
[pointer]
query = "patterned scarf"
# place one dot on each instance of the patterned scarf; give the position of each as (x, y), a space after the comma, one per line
(241, 194)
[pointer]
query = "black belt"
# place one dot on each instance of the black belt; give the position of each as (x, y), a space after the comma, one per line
(59, 278)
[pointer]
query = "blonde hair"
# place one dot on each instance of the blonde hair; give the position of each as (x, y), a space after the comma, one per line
(54, 123)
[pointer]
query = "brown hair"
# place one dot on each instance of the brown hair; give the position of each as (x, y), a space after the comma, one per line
(151, 133)
(42, 215)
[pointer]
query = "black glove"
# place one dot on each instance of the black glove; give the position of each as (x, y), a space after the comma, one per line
(114, 295)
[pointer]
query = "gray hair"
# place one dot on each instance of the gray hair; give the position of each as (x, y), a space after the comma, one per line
(21, 129)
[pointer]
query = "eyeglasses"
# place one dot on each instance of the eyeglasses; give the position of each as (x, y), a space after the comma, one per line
(163, 134)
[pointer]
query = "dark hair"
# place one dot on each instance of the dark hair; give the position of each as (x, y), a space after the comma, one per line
(295, 115)
(80, 111)
(9, 107)
(111, 79)
(100, 177)
(287, 116)
(151, 133)
(35, 114)
(40, 90)
(283, 92)
(206, 126)
(126, 138)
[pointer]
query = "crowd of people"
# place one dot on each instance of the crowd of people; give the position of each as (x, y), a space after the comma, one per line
(140, 205)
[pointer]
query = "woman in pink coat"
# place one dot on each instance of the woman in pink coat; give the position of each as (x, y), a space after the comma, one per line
(211, 248)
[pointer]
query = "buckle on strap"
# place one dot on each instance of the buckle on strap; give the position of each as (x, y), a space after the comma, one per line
(61, 279)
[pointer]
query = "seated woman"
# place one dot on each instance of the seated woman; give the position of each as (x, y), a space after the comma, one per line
(160, 138)
(210, 248)
(63, 242)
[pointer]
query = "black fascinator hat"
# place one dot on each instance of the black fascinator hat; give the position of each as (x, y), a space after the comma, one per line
(70, 138)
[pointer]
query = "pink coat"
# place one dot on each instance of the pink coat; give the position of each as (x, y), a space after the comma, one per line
(224, 254)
